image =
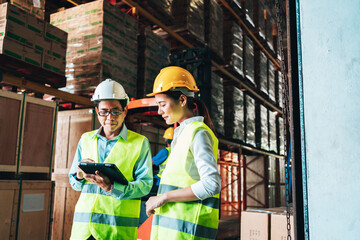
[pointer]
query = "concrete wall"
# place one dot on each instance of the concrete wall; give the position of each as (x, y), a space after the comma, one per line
(330, 42)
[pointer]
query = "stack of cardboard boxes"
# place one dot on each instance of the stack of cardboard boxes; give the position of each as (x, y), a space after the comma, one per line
(29, 39)
(102, 44)
(265, 224)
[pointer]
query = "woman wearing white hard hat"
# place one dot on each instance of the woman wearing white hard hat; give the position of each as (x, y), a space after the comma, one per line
(187, 205)
(106, 209)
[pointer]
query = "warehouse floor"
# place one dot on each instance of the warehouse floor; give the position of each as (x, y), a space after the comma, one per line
(229, 227)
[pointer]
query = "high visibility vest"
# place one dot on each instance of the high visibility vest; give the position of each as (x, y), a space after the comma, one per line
(185, 220)
(96, 212)
(163, 164)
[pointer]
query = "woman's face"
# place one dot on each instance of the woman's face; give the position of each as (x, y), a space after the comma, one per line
(171, 110)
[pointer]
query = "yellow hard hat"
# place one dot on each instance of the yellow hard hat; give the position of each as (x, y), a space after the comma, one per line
(169, 133)
(172, 77)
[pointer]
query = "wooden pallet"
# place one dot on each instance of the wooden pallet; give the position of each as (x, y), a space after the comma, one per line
(31, 72)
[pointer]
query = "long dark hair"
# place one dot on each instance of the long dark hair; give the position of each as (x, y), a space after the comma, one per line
(192, 104)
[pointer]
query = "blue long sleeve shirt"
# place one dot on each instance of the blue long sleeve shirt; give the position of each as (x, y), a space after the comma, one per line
(143, 175)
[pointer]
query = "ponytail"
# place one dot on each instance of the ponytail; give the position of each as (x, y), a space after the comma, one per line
(197, 106)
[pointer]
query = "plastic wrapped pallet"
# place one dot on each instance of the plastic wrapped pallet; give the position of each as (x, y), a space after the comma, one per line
(280, 99)
(263, 73)
(261, 19)
(215, 35)
(102, 43)
(271, 80)
(189, 16)
(217, 103)
(250, 120)
(234, 116)
(249, 58)
(281, 135)
(163, 7)
(272, 131)
(233, 46)
(153, 56)
(249, 9)
(269, 30)
(264, 128)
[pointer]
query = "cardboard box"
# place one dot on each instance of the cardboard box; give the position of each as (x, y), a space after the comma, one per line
(32, 56)
(35, 7)
(55, 33)
(279, 226)
(11, 48)
(36, 25)
(254, 225)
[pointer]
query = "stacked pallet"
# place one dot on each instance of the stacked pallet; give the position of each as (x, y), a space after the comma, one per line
(263, 73)
(249, 59)
(233, 47)
(271, 80)
(31, 40)
(217, 103)
(272, 132)
(264, 123)
(234, 116)
(214, 33)
(102, 43)
(189, 18)
(154, 54)
(250, 120)
(35, 8)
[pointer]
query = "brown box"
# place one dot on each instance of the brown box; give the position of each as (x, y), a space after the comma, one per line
(35, 8)
(11, 48)
(25, 209)
(279, 226)
(255, 225)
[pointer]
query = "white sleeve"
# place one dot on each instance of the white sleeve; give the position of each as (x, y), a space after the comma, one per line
(210, 181)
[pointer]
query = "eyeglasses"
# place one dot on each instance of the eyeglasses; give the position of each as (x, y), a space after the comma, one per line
(105, 113)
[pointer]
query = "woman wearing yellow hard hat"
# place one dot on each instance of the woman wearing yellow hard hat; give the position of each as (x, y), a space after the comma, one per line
(187, 205)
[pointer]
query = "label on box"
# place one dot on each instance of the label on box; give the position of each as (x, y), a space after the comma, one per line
(33, 202)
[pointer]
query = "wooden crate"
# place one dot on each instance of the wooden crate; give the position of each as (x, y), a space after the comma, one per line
(70, 126)
(37, 139)
(27, 134)
(65, 199)
(25, 209)
(10, 114)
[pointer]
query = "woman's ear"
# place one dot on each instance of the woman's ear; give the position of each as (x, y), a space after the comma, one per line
(183, 100)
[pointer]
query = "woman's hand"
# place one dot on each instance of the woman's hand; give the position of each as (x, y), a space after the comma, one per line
(155, 202)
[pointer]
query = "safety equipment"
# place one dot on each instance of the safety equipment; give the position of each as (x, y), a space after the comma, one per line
(173, 77)
(185, 220)
(169, 133)
(163, 164)
(99, 214)
(109, 90)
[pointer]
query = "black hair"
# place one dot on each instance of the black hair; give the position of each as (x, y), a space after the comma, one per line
(123, 103)
(192, 103)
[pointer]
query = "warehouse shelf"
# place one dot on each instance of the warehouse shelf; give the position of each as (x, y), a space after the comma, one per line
(7, 78)
(172, 33)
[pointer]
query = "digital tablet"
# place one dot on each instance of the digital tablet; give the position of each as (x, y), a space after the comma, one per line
(108, 169)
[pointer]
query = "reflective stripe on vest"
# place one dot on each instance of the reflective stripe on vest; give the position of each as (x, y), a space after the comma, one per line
(99, 214)
(163, 164)
(185, 220)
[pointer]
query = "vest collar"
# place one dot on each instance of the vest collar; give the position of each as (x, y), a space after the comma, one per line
(122, 134)
(181, 127)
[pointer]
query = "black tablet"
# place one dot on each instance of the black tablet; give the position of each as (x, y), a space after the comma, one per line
(108, 169)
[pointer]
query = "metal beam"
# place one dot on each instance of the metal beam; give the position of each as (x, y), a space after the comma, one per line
(150, 17)
(37, 87)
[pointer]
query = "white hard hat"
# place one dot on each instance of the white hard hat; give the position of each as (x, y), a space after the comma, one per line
(110, 90)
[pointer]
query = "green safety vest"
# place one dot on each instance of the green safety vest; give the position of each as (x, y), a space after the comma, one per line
(185, 220)
(163, 164)
(99, 214)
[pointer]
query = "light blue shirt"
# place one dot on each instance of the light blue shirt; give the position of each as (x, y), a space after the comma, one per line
(142, 172)
(204, 168)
